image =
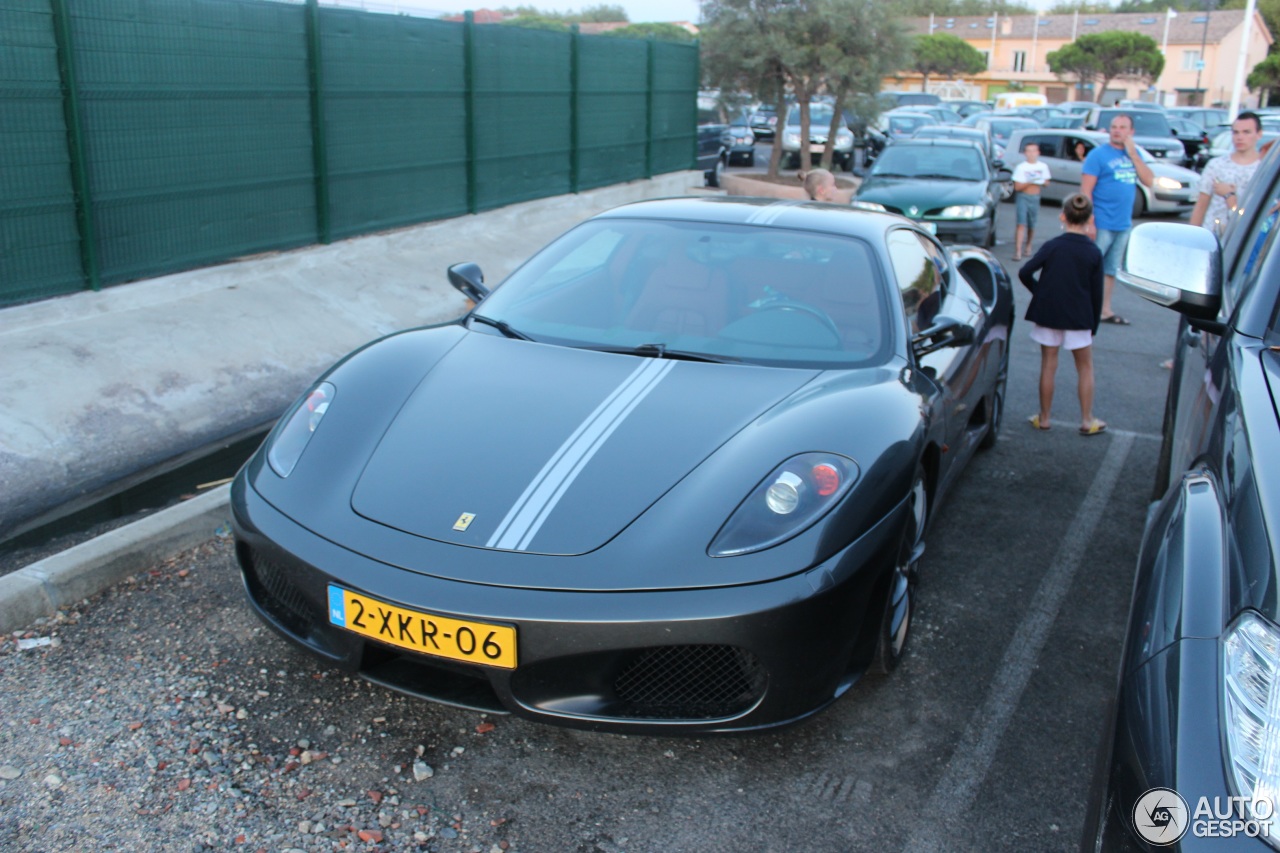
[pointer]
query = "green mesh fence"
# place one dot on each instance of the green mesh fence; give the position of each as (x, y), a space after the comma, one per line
(613, 92)
(39, 244)
(522, 125)
(198, 131)
(139, 138)
(395, 111)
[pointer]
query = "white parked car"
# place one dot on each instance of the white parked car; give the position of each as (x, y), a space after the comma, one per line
(819, 126)
(1174, 189)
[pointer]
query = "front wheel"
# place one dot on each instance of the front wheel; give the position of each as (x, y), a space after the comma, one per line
(995, 408)
(899, 603)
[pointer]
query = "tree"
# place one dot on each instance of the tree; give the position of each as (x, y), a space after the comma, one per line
(1102, 57)
(943, 53)
(1265, 75)
(537, 22)
(662, 32)
(604, 13)
(740, 50)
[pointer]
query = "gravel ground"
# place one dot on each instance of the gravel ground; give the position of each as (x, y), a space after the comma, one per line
(117, 736)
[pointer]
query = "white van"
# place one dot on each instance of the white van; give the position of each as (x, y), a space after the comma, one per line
(1009, 100)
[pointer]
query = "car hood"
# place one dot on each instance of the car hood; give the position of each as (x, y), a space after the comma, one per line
(904, 193)
(1159, 143)
(518, 446)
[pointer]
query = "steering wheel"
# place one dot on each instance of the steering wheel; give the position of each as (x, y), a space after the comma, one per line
(803, 307)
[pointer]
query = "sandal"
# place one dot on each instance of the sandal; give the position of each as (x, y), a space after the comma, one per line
(1097, 427)
(1115, 320)
(1034, 420)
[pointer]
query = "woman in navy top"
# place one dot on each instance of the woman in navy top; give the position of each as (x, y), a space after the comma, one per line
(1066, 305)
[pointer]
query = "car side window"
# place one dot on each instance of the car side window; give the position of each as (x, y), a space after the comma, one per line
(1048, 144)
(918, 268)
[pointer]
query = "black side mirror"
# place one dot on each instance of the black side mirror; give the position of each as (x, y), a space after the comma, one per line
(469, 281)
(945, 332)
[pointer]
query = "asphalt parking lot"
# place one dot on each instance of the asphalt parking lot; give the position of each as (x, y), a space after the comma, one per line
(163, 714)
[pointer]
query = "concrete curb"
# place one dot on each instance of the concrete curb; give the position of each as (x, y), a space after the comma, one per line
(43, 588)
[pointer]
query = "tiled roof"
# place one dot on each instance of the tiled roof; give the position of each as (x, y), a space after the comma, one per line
(1186, 28)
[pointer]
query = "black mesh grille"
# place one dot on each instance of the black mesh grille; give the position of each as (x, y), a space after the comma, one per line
(277, 596)
(691, 682)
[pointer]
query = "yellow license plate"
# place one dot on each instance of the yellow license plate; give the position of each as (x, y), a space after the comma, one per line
(427, 633)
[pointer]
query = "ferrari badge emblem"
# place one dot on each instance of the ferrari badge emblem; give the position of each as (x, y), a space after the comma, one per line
(464, 521)
(913, 210)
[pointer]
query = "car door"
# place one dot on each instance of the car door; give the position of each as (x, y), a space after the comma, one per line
(1200, 357)
(931, 288)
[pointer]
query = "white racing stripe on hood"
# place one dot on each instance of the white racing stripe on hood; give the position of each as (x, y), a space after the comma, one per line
(767, 214)
(540, 497)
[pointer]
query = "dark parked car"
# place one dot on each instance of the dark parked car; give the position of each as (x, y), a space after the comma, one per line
(892, 127)
(1192, 136)
(967, 108)
(1188, 761)
(892, 100)
(764, 122)
(1151, 130)
(722, 145)
(673, 474)
(1206, 117)
(947, 185)
(971, 134)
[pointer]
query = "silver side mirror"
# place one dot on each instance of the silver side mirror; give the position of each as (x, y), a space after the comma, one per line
(1175, 265)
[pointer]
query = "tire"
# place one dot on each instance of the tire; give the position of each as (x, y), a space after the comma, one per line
(716, 174)
(900, 597)
(990, 241)
(995, 407)
(750, 159)
(847, 165)
(1139, 203)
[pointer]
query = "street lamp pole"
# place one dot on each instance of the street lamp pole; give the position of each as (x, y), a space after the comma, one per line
(1204, 42)
(1169, 14)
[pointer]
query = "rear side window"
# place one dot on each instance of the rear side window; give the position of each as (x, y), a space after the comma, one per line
(1049, 145)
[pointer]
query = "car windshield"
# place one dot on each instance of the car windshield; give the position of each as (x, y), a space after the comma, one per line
(1144, 124)
(907, 125)
(714, 292)
(1002, 129)
(940, 162)
(819, 116)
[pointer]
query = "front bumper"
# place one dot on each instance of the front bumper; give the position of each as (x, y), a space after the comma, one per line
(734, 658)
(961, 230)
(1168, 734)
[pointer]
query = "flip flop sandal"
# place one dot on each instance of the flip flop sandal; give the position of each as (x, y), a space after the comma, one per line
(1034, 420)
(1095, 428)
(1115, 320)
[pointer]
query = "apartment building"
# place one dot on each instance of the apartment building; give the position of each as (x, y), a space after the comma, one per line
(1201, 50)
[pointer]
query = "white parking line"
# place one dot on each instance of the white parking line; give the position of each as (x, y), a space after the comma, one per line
(955, 791)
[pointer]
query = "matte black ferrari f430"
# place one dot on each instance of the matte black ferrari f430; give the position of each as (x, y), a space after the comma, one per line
(675, 473)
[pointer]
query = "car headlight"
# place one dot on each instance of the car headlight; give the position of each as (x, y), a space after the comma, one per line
(963, 211)
(786, 503)
(867, 205)
(791, 139)
(1166, 183)
(744, 140)
(1251, 676)
(287, 445)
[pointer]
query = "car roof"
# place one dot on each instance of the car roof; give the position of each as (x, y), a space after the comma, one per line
(760, 212)
(938, 142)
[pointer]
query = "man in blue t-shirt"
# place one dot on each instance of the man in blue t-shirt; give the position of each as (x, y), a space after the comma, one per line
(1109, 179)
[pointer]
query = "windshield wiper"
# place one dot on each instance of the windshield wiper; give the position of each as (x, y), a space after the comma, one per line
(890, 175)
(501, 326)
(661, 351)
(938, 176)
